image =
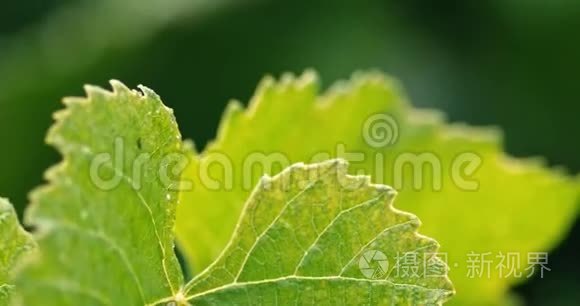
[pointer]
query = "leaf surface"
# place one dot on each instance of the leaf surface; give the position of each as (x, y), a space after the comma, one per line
(309, 236)
(516, 205)
(14, 243)
(105, 233)
(104, 224)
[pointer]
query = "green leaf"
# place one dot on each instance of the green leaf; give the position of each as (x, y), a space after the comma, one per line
(101, 241)
(14, 243)
(104, 224)
(471, 197)
(307, 236)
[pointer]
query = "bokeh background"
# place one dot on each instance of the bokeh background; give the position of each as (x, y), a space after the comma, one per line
(510, 63)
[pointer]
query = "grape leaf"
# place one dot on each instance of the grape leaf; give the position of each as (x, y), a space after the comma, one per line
(307, 236)
(105, 234)
(14, 243)
(105, 238)
(471, 196)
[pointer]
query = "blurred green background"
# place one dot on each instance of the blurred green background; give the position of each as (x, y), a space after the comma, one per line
(511, 63)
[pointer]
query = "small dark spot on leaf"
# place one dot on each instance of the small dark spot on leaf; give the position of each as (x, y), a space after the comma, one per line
(30, 228)
(139, 144)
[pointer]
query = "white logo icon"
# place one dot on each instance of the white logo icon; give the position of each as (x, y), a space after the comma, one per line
(380, 130)
(373, 264)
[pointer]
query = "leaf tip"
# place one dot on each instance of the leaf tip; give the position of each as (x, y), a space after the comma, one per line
(5, 205)
(72, 101)
(119, 87)
(94, 92)
(234, 110)
(148, 92)
(189, 147)
(266, 83)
